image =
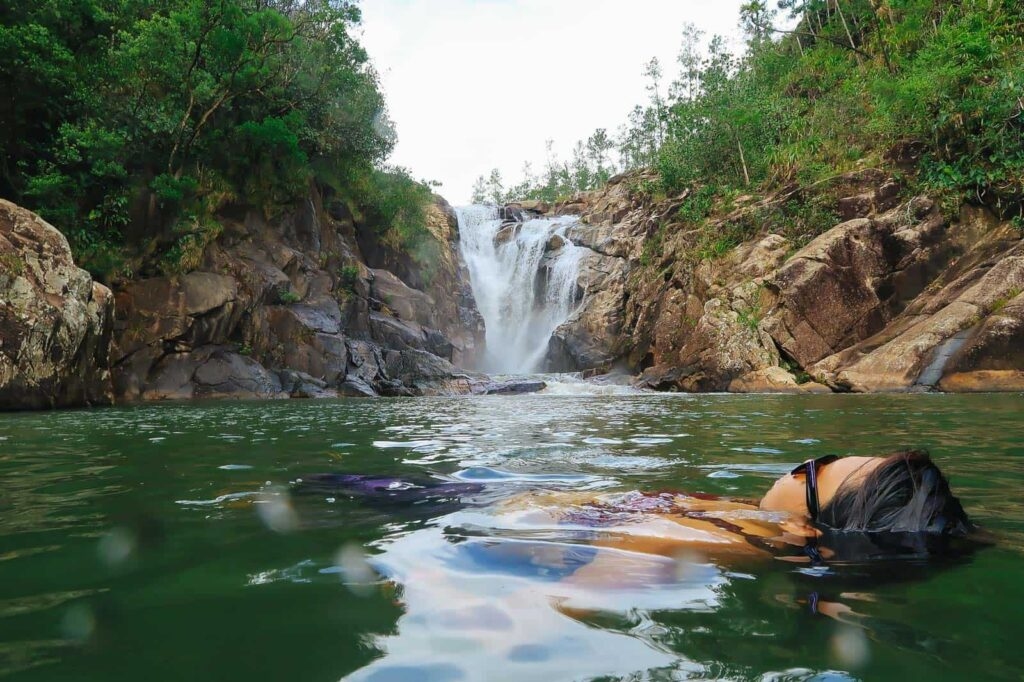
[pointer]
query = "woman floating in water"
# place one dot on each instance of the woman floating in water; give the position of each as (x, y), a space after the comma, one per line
(831, 508)
(850, 508)
(530, 580)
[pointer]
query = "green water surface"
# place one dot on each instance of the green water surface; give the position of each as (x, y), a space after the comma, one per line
(163, 542)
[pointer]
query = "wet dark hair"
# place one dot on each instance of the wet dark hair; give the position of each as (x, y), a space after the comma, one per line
(905, 494)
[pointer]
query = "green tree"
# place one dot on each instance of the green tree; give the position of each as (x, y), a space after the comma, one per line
(144, 116)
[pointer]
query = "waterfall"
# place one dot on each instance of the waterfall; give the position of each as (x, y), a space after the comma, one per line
(523, 287)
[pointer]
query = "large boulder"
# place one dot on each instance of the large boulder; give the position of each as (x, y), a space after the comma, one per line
(303, 337)
(993, 358)
(198, 308)
(425, 374)
(828, 293)
(726, 344)
(773, 380)
(591, 337)
(401, 300)
(55, 322)
(171, 315)
(211, 372)
(915, 345)
(301, 385)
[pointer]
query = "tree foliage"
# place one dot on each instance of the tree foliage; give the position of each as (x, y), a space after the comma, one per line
(129, 119)
(827, 86)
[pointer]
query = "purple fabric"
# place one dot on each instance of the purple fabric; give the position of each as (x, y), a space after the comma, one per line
(626, 507)
(384, 488)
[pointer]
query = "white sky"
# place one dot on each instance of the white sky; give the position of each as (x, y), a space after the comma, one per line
(478, 84)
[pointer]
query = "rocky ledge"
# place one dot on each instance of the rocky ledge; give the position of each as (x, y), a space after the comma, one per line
(309, 304)
(894, 295)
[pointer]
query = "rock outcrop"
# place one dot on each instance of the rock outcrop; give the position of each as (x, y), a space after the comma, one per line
(993, 356)
(55, 322)
(290, 308)
(880, 292)
(892, 295)
(979, 268)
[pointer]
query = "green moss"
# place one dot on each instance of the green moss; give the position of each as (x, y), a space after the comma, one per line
(1001, 302)
(348, 275)
(288, 297)
(12, 264)
(750, 319)
(1017, 223)
(799, 375)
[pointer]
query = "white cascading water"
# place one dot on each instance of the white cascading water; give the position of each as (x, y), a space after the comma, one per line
(519, 315)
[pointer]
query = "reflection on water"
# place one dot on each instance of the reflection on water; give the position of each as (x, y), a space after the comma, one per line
(168, 541)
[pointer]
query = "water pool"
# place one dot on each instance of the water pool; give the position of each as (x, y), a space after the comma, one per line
(160, 542)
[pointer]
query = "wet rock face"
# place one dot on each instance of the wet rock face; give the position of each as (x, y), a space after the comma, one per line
(55, 322)
(289, 308)
(983, 268)
(993, 357)
(436, 273)
(896, 296)
(582, 342)
(210, 372)
(828, 292)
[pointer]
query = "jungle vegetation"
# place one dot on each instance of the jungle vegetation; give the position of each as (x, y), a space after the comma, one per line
(823, 87)
(129, 123)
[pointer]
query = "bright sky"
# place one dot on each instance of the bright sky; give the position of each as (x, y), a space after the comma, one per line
(478, 84)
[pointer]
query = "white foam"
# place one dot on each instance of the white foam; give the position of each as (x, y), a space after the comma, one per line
(519, 315)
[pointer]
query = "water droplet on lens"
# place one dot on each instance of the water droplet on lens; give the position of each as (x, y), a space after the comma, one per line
(689, 565)
(356, 571)
(116, 546)
(79, 623)
(851, 647)
(275, 510)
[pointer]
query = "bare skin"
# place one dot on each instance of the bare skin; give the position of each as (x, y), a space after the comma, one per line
(680, 527)
(685, 526)
(788, 493)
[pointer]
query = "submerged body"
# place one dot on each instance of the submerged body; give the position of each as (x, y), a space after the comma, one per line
(830, 507)
(528, 579)
(663, 524)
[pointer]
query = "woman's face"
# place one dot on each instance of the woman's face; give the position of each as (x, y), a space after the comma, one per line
(789, 492)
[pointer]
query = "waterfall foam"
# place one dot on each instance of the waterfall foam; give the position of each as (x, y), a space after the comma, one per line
(523, 290)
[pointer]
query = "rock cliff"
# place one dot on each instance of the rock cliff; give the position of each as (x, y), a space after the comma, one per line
(874, 289)
(312, 302)
(848, 285)
(55, 322)
(293, 306)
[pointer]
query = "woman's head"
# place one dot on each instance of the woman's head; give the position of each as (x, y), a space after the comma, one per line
(901, 493)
